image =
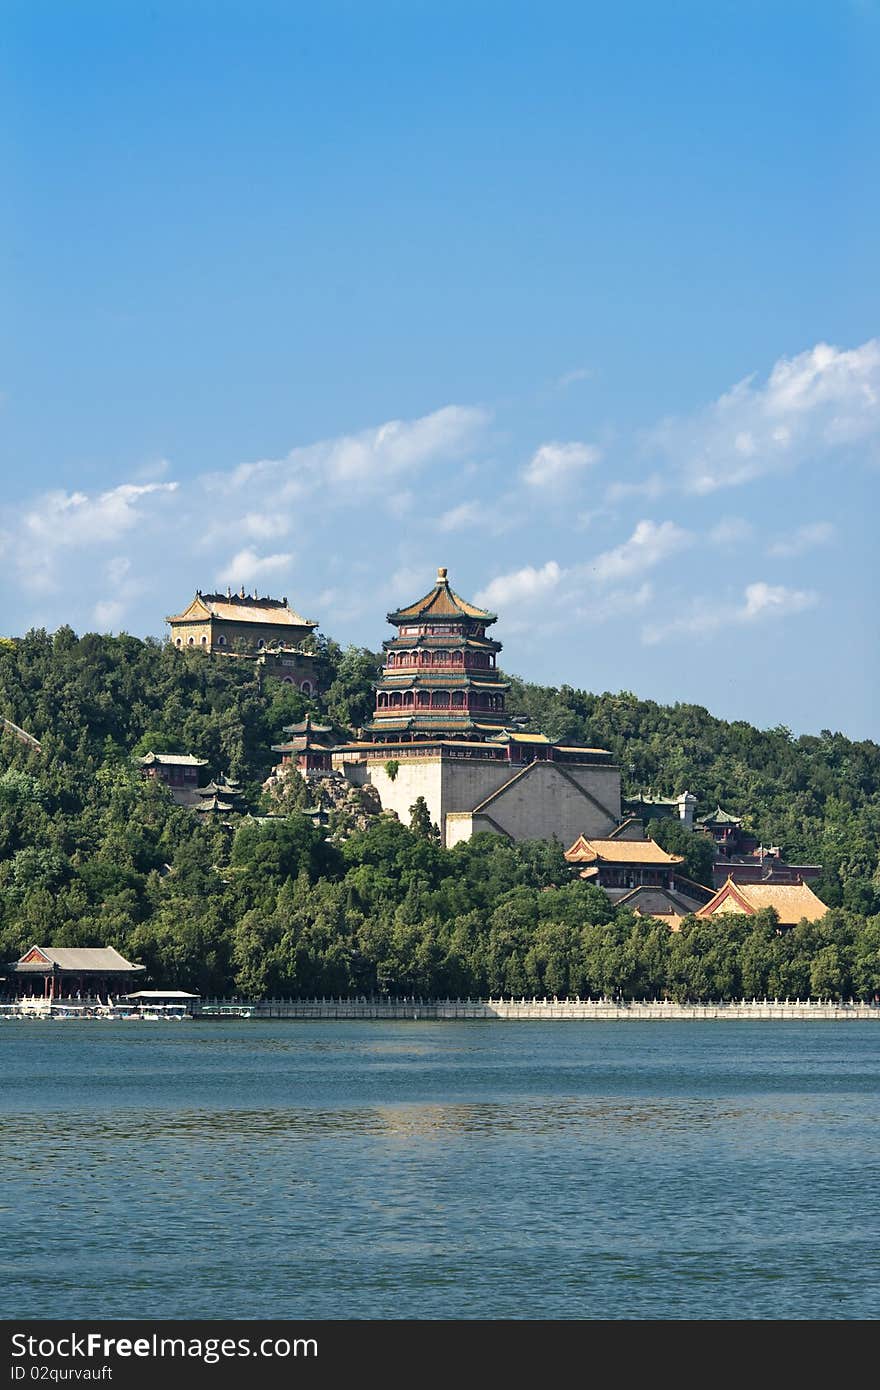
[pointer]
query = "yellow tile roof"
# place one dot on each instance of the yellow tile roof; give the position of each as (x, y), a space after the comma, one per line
(792, 901)
(580, 748)
(506, 736)
(585, 851)
(236, 608)
(441, 602)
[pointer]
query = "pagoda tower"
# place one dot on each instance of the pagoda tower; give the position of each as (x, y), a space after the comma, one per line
(440, 677)
(308, 747)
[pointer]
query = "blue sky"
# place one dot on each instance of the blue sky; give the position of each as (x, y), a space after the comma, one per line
(579, 300)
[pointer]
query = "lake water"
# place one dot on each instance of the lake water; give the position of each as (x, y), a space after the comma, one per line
(417, 1170)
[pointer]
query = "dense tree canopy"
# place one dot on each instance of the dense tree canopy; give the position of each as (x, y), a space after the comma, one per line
(90, 854)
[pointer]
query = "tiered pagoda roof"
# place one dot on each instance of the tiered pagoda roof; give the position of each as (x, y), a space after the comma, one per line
(307, 737)
(440, 678)
(222, 794)
(439, 603)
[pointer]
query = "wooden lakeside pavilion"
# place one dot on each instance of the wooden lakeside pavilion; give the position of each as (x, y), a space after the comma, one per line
(67, 971)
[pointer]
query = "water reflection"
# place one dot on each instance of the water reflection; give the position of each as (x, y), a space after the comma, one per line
(394, 1172)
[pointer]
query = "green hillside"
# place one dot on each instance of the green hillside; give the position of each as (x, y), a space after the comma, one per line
(90, 854)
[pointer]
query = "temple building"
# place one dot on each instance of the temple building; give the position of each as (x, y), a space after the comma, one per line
(179, 772)
(739, 856)
(57, 972)
(221, 796)
(792, 901)
(727, 832)
(440, 730)
(440, 677)
(267, 630)
(635, 872)
(763, 865)
(308, 748)
(620, 863)
(649, 807)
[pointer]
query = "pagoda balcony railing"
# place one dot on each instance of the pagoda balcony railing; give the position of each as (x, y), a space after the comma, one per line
(429, 661)
(410, 707)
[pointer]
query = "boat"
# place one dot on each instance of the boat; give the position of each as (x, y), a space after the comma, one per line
(228, 1011)
(33, 1007)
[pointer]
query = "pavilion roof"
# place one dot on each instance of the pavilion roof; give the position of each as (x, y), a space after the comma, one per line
(220, 787)
(97, 959)
(214, 803)
(301, 745)
(585, 851)
(173, 760)
(719, 817)
(306, 726)
(442, 602)
(649, 900)
(163, 994)
(510, 736)
(792, 901)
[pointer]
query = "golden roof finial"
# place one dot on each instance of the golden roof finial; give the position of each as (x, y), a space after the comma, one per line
(441, 573)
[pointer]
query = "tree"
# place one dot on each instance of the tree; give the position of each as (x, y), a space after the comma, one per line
(349, 700)
(697, 848)
(420, 820)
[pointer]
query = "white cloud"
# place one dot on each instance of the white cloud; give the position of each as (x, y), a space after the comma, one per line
(521, 585)
(805, 538)
(61, 521)
(252, 526)
(107, 613)
(465, 514)
(773, 601)
(352, 464)
(554, 462)
(615, 603)
(263, 526)
(400, 504)
(118, 570)
(247, 566)
(409, 579)
(73, 518)
(584, 520)
(154, 470)
(650, 544)
(819, 400)
(651, 488)
(732, 531)
(761, 602)
(562, 596)
(576, 374)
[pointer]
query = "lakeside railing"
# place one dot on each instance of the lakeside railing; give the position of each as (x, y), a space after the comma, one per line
(416, 1008)
(412, 1007)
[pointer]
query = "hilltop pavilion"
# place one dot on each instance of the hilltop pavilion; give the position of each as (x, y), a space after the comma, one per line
(243, 625)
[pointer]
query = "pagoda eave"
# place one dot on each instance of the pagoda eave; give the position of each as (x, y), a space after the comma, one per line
(434, 639)
(438, 680)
